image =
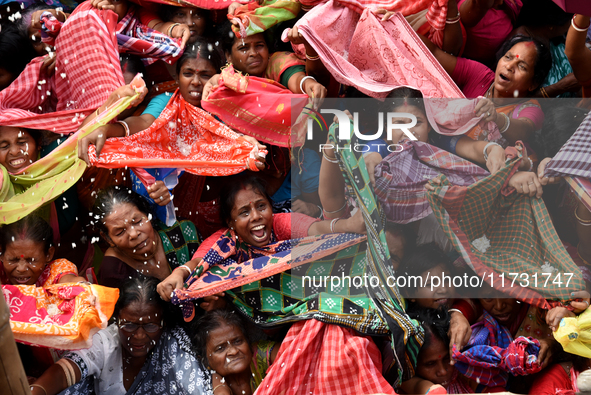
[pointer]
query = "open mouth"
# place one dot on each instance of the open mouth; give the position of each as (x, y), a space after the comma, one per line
(22, 280)
(503, 77)
(503, 317)
(195, 94)
(259, 233)
(441, 301)
(17, 162)
(142, 347)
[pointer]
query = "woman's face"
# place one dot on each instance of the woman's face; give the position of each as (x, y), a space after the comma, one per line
(130, 231)
(18, 149)
(504, 310)
(193, 76)
(39, 46)
(434, 294)
(433, 363)
(396, 247)
(420, 130)
(140, 328)
(195, 18)
(24, 261)
(250, 55)
(515, 71)
(252, 217)
(228, 351)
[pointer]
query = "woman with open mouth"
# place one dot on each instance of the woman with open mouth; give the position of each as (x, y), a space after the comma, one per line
(522, 66)
(143, 352)
(138, 245)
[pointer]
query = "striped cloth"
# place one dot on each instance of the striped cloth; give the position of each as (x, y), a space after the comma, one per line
(573, 162)
(82, 81)
(401, 178)
(491, 354)
(138, 39)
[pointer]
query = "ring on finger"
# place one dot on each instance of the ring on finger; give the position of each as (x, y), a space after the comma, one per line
(161, 198)
(530, 182)
(488, 114)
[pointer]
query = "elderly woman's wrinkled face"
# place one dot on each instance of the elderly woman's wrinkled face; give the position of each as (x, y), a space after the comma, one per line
(130, 231)
(250, 55)
(140, 328)
(24, 260)
(228, 351)
(252, 217)
(18, 149)
(514, 76)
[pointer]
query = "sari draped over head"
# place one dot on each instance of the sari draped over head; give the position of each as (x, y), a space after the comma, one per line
(59, 316)
(171, 367)
(46, 179)
(401, 178)
(135, 38)
(253, 18)
(183, 136)
(492, 354)
(373, 56)
(497, 232)
(83, 80)
(258, 107)
(573, 162)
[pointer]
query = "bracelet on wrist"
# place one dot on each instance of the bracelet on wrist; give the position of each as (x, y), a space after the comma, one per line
(577, 27)
(302, 82)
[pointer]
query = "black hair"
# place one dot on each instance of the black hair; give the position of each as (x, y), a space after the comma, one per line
(204, 49)
(227, 37)
(15, 51)
(435, 323)
(132, 64)
(32, 227)
(560, 123)
(213, 320)
(404, 96)
(108, 198)
(543, 55)
(423, 258)
(540, 13)
(141, 289)
(167, 12)
(408, 235)
(231, 189)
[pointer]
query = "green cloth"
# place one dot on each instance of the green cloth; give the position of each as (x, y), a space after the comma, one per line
(522, 237)
(560, 68)
(180, 241)
(49, 177)
(286, 75)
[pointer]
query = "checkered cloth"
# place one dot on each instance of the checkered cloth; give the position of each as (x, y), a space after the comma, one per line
(401, 178)
(406, 334)
(83, 80)
(138, 39)
(325, 359)
(573, 162)
(522, 237)
(491, 354)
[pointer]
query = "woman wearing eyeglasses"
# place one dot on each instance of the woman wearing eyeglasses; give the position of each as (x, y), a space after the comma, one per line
(141, 353)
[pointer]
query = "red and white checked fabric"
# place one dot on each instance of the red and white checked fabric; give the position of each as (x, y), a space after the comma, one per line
(82, 81)
(325, 359)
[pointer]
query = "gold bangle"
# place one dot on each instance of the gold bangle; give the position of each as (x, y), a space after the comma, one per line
(312, 58)
(584, 222)
(544, 93)
(40, 386)
(65, 16)
(218, 386)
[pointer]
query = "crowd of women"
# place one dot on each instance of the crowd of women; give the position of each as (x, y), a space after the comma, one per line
(178, 151)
